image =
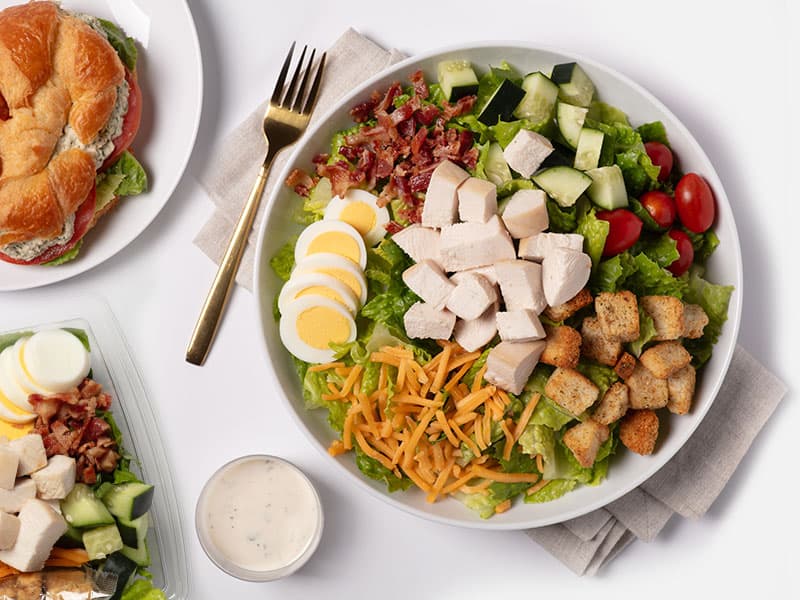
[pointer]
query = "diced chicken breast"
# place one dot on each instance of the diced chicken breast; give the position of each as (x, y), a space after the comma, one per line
(519, 326)
(441, 199)
(537, 246)
(426, 321)
(527, 151)
(564, 273)
(472, 334)
(509, 364)
(39, 529)
(427, 280)
(9, 530)
(477, 200)
(57, 479)
(488, 272)
(471, 297)
(11, 501)
(525, 214)
(9, 462)
(521, 285)
(469, 245)
(419, 243)
(30, 451)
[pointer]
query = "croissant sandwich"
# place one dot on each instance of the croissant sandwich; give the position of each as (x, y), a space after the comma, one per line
(70, 106)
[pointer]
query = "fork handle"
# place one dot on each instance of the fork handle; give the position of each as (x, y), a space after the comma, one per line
(207, 324)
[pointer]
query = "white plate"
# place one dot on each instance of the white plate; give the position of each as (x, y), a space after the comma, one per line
(627, 470)
(171, 77)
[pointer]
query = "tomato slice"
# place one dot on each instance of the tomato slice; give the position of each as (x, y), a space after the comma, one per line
(130, 122)
(83, 218)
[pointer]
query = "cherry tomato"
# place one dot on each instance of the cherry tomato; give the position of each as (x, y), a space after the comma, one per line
(685, 250)
(661, 207)
(130, 122)
(624, 229)
(695, 203)
(661, 156)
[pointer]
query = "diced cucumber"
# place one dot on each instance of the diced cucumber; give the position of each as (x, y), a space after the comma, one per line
(563, 184)
(540, 98)
(140, 555)
(457, 79)
(570, 122)
(502, 103)
(123, 568)
(496, 168)
(81, 508)
(559, 157)
(72, 538)
(593, 149)
(102, 541)
(574, 85)
(608, 187)
(129, 501)
(132, 531)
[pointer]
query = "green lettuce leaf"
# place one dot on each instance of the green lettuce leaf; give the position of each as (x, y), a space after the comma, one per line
(504, 131)
(143, 589)
(562, 220)
(715, 300)
(485, 504)
(638, 171)
(283, 261)
(703, 244)
(594, 232)
(375, 470)
(488, 82)
(603, 377)
(611, 273)
(546, 412)
(125, 46)
(648, 223)
(662, 249)
(653, 132)
(482, 132)
(553, 490)
(134, 177)
(605, 113)
(338, 141)
(68, 256)
(469, 376)
(514, 185)
(106, 185)
(313, 206)
(647, 331)
(649, 278)
(540, 439)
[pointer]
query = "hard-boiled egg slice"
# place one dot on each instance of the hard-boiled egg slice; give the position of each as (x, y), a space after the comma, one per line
(11, 413)
(24, 378)
(56, 359)
(336, 237)
(311, 323)
(338, 267)
(9, 386)
(360, 209)
(318, 284)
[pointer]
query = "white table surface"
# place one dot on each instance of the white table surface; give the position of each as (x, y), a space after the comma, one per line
(724, 73)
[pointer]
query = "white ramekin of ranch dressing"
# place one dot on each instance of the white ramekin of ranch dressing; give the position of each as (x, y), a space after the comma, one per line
(259, 518)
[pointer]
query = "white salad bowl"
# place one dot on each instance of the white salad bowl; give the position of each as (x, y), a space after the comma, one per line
(627, 469)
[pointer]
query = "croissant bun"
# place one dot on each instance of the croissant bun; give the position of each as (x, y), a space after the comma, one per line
(54, 70)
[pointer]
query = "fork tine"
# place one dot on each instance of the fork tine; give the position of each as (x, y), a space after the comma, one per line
(312, 94)
(289, 95)
(301, 92)
(276, 94)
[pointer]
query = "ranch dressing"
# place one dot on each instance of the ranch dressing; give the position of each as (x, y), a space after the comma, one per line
(259, 513)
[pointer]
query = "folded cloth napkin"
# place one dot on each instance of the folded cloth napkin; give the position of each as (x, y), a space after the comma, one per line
(351, 60)
(687, 485)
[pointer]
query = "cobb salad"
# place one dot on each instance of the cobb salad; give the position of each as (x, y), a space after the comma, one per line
(68, 496)
(499, 280)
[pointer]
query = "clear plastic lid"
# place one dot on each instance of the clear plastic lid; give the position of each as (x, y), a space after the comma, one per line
(114, 369)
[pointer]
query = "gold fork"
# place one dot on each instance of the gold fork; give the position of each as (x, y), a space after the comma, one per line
(284, 122)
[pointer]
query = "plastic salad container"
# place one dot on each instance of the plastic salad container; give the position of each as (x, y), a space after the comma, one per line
(114, 369)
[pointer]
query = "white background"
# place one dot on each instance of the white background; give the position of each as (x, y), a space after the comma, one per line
(722, 68)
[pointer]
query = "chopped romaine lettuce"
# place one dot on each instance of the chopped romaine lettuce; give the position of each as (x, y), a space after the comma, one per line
(653, 132)
(640, 211)
(703, 244)
(143, 589)
(540, 439)
(594, 232)
(283, 261)
(714, 299)
(603, 377)
(651, 279)
(514, 185)
(662, 249)
(375, 470)
(554, 489)
(505, 131)
(611, 273)
(647, 331)
(605, 113)
(562, 219)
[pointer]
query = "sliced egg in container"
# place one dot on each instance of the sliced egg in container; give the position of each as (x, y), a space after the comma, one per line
(24, 378)
(335, 237)
(9, 386)
(318, 284)
(311, 323)
(338, 267)
(11, 413)
(55, 359)
(360, 209)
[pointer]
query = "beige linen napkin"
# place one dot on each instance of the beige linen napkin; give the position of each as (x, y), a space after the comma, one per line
(687, 485)
(351, 60)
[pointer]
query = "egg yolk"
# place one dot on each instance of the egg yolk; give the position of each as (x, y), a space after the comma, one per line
(318, 326)
(11, 406)
(346, 278)
(322, 290)
(360, 215)
(336, 242)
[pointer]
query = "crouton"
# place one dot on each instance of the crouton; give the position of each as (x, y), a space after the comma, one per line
(584, 439)
(618, 314)
(596, 346)
(571, 390)
(638, 431)
(625, 365)
(570, 307)
(681, 386)
(695, 320)
(667, 315)
(613, 405)
(563, 347)
(664, 359)
(645, 390)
